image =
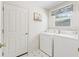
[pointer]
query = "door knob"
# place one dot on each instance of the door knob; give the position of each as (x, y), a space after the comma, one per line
(26, 33)
(78, 49)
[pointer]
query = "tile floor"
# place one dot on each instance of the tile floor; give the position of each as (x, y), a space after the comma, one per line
(35, 53)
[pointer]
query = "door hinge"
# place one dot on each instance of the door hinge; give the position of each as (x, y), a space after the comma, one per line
(2, 53)
(3, 8)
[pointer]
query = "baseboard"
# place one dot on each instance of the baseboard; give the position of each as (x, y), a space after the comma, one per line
(22, 54)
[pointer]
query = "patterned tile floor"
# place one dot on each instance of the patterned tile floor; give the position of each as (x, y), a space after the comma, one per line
(35, 53)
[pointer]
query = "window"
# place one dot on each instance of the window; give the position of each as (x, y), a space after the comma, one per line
(63, 16)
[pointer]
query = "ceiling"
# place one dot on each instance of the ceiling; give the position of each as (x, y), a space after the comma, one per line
(43, 4)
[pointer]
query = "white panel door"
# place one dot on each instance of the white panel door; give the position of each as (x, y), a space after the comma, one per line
(15, 27)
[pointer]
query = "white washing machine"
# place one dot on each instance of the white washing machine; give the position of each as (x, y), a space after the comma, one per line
(47, 43)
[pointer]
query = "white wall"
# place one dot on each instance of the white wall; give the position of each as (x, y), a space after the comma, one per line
(36, 27)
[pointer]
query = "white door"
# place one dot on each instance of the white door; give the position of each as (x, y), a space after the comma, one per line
(15, 30)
